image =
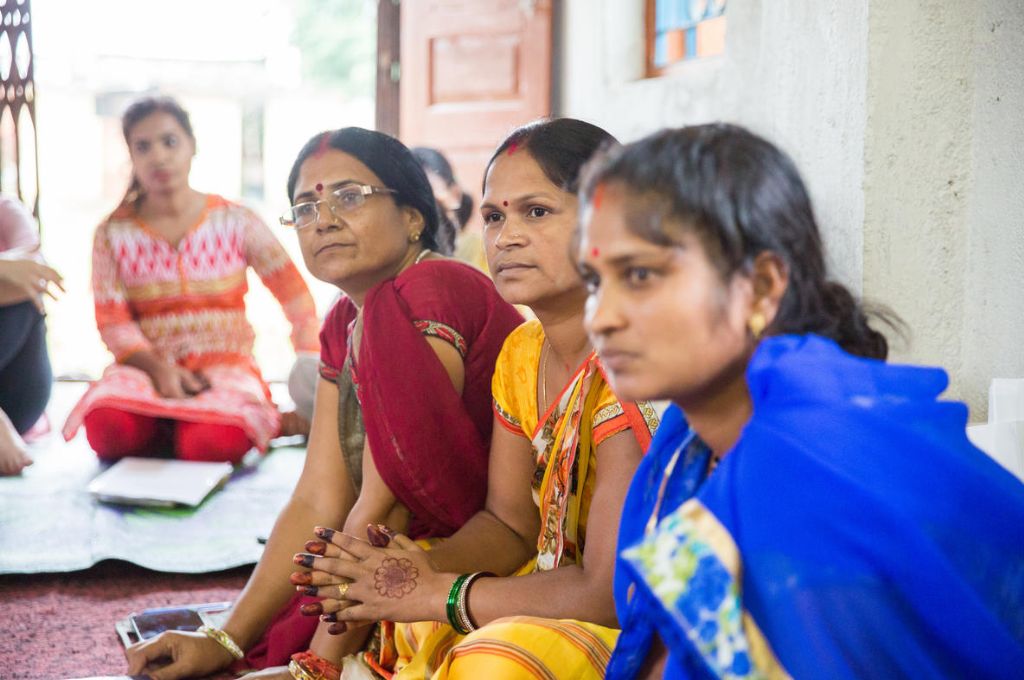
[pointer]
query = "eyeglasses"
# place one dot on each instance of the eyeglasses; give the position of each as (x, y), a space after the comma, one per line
(345, 199)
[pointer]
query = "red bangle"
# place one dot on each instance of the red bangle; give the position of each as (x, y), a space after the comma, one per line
(317, 666)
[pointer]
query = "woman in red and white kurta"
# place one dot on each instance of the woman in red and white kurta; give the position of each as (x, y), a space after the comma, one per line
(169, 280)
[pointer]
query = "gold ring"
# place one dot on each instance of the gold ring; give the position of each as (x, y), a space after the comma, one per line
(342, 589)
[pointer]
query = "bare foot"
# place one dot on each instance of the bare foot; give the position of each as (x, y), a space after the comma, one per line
(13, 453)
(292, 424)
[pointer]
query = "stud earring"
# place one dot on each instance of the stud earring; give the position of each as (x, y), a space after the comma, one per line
(414, 237)
(756, 324)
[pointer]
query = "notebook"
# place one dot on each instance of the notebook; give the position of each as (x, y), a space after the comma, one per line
(151, 622)
(159, 482)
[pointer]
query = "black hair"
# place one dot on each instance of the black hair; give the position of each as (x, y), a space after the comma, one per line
(434, 161)
(147, 106)
(144, 108)
(391, 161)
(561, 146)
(742, 196)
(447, 232)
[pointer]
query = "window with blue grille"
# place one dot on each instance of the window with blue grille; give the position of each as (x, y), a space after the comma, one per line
(681, 30)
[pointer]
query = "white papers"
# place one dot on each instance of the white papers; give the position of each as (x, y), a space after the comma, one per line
(159, 482)
(1003, 441)
(1006, 400)
(1003, 436)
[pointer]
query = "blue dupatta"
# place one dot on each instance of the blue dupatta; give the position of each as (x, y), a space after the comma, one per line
(853, 531)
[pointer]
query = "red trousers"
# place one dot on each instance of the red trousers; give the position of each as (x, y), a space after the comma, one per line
(114, 434)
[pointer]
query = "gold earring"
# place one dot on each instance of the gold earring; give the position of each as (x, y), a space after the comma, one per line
(414, 237)
(756, 324)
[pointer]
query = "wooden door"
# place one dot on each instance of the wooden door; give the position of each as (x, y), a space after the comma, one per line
(471, 70)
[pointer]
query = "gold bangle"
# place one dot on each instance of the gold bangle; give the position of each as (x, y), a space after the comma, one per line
(223, 639)
(299, 672)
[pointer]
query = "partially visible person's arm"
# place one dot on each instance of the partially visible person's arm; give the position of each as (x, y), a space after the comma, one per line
(581, 591)
(18, 228)
(503, 536)
(23, 271)
(24, 277)
(271, 262)
(324, 494)
(376, 504)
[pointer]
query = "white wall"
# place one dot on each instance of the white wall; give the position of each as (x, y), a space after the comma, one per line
(904, 118)
(993, 324)
(793, 71)
(943, 231)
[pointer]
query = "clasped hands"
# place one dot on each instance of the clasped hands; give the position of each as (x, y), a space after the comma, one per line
(387, 578)
(177, 382)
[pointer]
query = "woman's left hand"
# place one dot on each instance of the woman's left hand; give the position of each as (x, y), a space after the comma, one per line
(361, 582)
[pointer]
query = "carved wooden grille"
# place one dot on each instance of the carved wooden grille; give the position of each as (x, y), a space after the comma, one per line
(19, 171)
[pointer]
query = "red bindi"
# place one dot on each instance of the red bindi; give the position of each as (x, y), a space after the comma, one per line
(598, 196)
(594, 252)
(319, 187)
(505, 203)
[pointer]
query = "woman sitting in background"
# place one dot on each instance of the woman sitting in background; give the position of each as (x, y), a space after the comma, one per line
(169, 280)
(818, 512)
(25, 376)
(455, 203)
(563, 451)
(406, 364)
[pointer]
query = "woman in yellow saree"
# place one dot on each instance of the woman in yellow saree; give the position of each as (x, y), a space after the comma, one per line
(560, 460)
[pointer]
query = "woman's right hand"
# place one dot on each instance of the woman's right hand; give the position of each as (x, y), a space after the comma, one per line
(32, 279)
(190, 654)
(175, 382)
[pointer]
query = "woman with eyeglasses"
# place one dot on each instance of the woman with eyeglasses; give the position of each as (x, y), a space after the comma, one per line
(806, 509)
(402, 422)
(169, 280)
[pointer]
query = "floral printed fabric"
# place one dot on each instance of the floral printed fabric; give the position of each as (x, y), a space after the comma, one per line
(686, 575)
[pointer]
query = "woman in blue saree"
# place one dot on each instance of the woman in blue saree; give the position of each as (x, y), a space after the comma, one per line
(817, 512)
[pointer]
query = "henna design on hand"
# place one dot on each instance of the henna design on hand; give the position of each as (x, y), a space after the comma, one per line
(395, 577)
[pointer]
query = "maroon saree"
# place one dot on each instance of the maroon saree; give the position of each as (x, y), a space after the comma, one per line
(430, 444)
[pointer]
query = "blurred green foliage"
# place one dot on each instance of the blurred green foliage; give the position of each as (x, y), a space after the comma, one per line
(338, 42)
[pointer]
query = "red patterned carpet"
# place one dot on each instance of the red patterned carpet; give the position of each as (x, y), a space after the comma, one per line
(55, 626)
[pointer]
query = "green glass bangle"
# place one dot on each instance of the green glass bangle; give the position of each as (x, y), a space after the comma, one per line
(452, 606)
(462, 606)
